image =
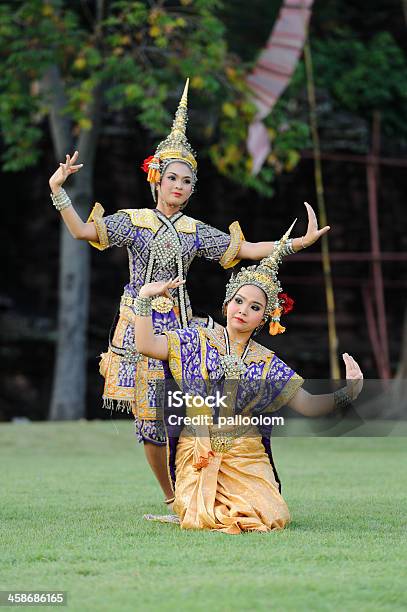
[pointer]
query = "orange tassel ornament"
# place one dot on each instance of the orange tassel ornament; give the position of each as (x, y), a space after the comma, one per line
(275, 327)
(154, 170)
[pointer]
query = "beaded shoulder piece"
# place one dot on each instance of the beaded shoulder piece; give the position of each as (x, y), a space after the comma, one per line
(187, 224)
(143, 217)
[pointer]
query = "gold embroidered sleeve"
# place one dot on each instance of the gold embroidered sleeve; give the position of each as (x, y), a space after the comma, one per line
(289, 389)
(174, 354)
(230, 256)
(97, 217)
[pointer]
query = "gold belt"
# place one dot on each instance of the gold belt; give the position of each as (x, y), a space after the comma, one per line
(222, 441)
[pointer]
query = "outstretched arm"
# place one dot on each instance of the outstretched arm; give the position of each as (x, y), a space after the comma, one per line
(147, 343)
(319, 405)
(258, 250)
(77, 228)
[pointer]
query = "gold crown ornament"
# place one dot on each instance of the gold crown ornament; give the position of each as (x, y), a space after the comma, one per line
(174, 148)
(265, 276)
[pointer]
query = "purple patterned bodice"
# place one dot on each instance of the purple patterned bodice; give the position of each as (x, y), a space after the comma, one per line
(205, 241)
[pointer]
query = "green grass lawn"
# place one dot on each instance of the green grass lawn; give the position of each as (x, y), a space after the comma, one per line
(73, 496)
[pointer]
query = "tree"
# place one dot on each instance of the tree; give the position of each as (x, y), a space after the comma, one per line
(64, 66)
(67, 67)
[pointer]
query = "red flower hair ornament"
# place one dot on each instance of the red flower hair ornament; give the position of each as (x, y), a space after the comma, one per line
(145, 165)
(286, 303)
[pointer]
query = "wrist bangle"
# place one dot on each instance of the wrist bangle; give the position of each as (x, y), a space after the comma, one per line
(287, 248)
(142, 306)
(61, 200)
(342, 401)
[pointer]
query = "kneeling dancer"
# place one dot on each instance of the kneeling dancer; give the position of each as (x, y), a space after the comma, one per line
(223, 478)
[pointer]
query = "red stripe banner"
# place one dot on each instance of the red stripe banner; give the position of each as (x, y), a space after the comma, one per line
(273, 70)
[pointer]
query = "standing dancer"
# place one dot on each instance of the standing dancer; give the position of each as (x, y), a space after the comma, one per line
(161, 244)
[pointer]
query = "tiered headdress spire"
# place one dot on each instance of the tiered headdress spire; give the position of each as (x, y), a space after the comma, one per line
(175, 147)
(265, 276)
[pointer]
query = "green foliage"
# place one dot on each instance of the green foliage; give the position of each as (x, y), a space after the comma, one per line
(358, 63)
(32, 38)
(364, 76)
(367, 77)
(138, 56)
(288, 135)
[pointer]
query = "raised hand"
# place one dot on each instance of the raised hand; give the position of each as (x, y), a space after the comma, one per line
(354, 376)
(313, 233)
(160, 287)
(65, 169)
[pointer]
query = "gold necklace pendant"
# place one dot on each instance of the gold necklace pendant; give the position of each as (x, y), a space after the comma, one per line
(232, 365)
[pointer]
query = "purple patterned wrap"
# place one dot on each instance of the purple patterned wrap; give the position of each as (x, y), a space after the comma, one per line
(266, 385)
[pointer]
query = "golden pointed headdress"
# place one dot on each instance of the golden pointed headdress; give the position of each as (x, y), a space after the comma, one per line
(265, 276)
(175, 147)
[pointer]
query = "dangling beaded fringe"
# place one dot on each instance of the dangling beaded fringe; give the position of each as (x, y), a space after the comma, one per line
(116, 405)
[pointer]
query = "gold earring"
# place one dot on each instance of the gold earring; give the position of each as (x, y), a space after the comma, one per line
(260, 327)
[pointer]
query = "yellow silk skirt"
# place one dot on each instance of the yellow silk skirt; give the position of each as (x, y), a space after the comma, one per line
(230, 492)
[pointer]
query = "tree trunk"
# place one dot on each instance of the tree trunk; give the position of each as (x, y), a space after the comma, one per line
(69, 385)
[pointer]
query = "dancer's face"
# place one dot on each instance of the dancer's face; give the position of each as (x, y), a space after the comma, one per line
(245, 310)
(176, 186)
